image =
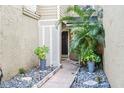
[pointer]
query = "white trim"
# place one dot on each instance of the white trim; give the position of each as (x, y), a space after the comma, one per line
(59, 44)
(50, 27)
(48, 20)
(58, 12)
(39, 32)
(43, 35)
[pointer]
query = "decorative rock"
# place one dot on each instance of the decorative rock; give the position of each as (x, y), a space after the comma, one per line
(84, 79)
(90, 83)
(27, 79)
(105, 84)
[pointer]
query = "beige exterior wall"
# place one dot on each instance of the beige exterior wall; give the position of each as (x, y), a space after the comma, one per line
(114, 56)
(18, 38)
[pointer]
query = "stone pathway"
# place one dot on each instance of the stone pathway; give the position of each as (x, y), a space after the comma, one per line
(64, 77)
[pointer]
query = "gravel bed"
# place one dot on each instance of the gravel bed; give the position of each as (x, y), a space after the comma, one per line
(84, 79)
(28, 79)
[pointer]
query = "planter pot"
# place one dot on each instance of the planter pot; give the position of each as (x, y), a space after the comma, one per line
(91, 66)
(42, 64)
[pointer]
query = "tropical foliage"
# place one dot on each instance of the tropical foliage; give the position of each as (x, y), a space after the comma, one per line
(86, 28)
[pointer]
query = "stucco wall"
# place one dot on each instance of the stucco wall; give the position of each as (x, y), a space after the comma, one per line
(114, 56)
(18, 38)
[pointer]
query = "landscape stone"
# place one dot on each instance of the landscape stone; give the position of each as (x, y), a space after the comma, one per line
(84, 79)
(90, 83)
(26, 80)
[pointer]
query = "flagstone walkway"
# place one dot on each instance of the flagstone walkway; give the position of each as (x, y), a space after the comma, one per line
(64, 77)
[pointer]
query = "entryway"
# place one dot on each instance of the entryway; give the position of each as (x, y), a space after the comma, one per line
(65, 42)
(64, 45)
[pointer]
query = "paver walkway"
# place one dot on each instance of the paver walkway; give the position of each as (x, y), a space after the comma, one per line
(64, 77)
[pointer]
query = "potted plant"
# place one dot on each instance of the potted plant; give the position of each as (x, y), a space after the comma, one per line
(41, 53)
(87, 30)
(91, 58)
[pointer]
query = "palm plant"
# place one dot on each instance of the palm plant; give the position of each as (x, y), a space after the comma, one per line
(87, 33)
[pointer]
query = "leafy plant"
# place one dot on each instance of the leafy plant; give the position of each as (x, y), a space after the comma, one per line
(87, 30)
(22, 71)
(91, 56)
(41, 52)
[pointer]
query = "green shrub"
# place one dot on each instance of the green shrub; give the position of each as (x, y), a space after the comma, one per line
(41, 52)
(91, 56)
(22, 71)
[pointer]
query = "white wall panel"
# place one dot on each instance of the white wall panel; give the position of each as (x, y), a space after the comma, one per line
(49, 36)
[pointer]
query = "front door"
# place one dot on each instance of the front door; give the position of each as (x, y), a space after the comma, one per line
(64, 43)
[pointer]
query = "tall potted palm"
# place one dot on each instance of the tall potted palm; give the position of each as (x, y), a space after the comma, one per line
(41, 53)
(87, 30)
